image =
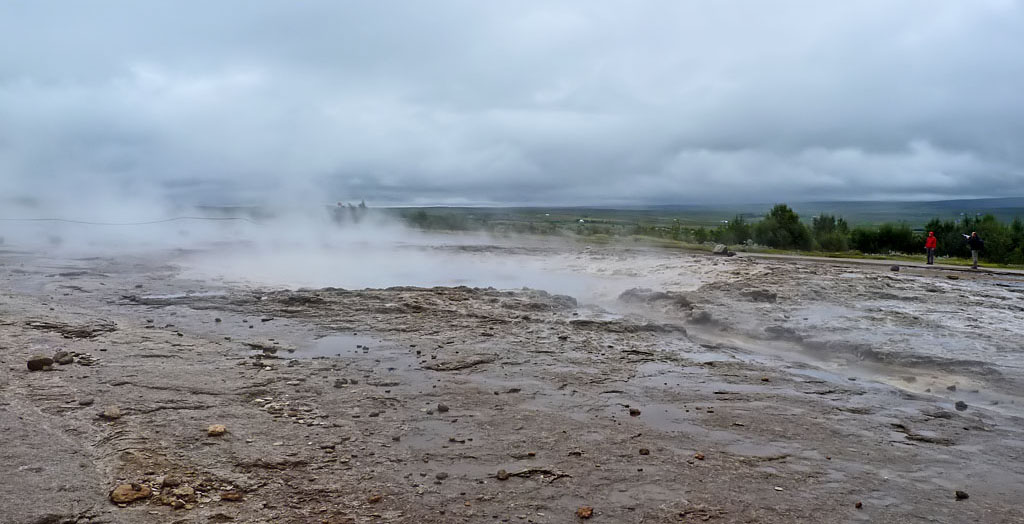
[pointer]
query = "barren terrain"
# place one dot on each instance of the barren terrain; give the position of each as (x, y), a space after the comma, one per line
(671, 388)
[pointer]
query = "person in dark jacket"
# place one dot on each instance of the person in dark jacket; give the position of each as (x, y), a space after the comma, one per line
(976, 244)
(930, 244)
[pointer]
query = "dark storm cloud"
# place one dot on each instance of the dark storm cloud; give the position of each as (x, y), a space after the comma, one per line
(524, 102)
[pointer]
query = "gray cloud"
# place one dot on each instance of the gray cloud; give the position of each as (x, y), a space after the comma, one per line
(527, 102)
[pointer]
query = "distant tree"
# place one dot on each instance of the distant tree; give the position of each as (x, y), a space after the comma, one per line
(782, 229)
(830, 233)
(700, 235)
(886, 238)
(736, 231)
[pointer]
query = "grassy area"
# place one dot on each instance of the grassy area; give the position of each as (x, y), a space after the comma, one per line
(694, 227)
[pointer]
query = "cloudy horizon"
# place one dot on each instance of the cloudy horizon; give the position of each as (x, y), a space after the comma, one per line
(459, 102)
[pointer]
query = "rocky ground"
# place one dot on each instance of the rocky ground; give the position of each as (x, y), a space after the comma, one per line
(762, 391)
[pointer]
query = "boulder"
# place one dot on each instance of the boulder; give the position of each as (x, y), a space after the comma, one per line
(111, 413)
(128, 493)
(722, 250)
(39, 363)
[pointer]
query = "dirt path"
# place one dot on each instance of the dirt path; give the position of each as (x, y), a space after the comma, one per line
(462, 405)
(887, 263)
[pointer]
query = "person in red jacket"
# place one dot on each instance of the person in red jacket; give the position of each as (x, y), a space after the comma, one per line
(930, 244)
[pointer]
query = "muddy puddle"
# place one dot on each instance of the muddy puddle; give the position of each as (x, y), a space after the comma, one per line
(336, 346)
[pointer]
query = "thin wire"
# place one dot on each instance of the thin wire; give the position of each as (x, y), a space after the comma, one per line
(122, 223)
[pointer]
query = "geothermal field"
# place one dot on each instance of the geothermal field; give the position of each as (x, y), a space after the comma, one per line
(385, 375)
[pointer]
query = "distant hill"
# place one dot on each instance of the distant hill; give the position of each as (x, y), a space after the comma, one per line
(915, 214)
(865, 212)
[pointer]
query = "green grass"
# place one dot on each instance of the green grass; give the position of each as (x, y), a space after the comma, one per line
(663, 227)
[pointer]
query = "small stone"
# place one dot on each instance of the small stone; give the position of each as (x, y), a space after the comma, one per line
(777, 488)
(375, 498)
(217, 319)
(765, 379)
(699, 456)
(441, 408)
(951, 388)
(441, 476)
(645, 451)
(111, 413)
(39, 363)
(233, 496)
(585, 512)
(185, 493)
(634, 412)
(894, 268)
(87, 401)
(960, 405)
(961, 495)
(503, 475)
(63, 358)
(216, 430)
(171, 481)
(858, 505)
(128, 493)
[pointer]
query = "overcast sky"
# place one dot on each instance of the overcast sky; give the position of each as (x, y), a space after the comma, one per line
(537, 102)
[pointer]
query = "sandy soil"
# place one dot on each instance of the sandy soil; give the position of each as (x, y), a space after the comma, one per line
(732, 390)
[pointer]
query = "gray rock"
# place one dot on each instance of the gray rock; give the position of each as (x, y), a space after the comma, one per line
(63, 358)
(960, 405)
(111, 413)
(39, 363)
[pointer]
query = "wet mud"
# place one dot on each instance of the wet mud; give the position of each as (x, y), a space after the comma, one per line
(685, 388)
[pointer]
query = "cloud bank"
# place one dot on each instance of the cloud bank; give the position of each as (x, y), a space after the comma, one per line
(579, 103)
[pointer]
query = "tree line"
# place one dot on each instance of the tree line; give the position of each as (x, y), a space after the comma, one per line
(782, 228)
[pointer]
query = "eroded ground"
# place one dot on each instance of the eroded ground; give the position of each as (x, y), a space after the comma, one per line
(733, 390)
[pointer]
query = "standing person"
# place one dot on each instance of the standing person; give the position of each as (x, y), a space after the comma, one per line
(976, 244)
(930, 244)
